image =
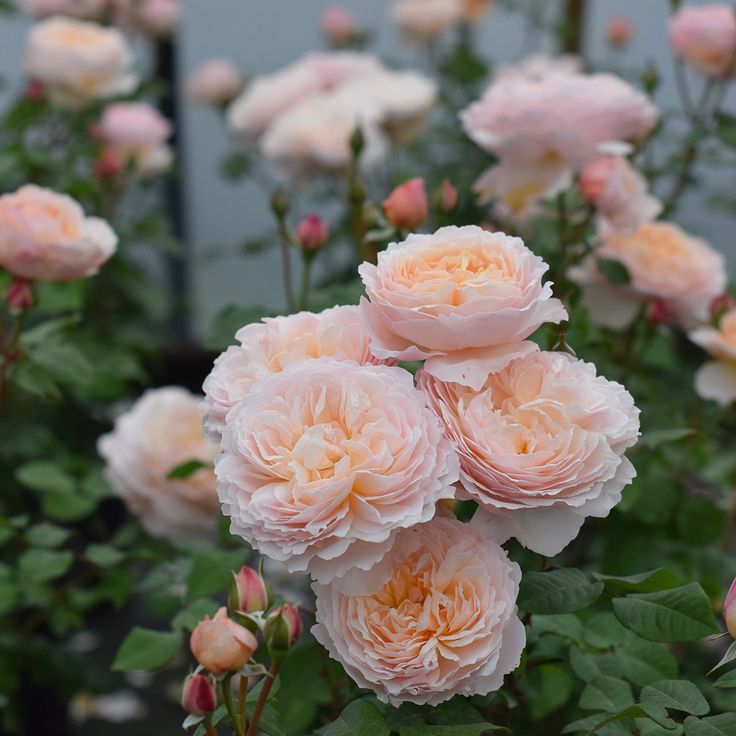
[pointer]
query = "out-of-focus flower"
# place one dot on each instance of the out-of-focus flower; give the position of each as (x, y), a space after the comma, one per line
(45, 236)
(214, 82)
(338, 26)
(729, 609)
(716, 379)
(158, 434)
(435, 618)
(159, 17)
(424, 20)
(538, 66)
(705, 37)
(312, 233)
(619, 193)
(664, 262)
(118, 707)
(109, 165)
(270, 346)
(446, 197)
(198, 695)
(619, 31)
(249, 591)
(221, 645)
(78, 61)
(137, 132)
(541, 445)
(407, 207)
(462, 299)
(323, 462)
(78, 8)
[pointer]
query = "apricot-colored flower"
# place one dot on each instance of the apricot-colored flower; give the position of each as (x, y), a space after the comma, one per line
(705, 37)
(435, 618)
(540, 445)
(221, 645)
(45, 236)
(424, 20)
(463, 299)
(214, 82)
(716, 379)
(323, 462)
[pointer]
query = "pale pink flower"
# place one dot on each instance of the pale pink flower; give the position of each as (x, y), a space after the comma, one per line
(541, 446)
(159, 17)
(323, 463)
(271, 346)
(160, 432)
(45, 236)
(137, 132)
(424, 20)
(538, 66)
(214, 82)
(463, 299)
(337, 25)
(78, 61)
(435, 618)
(664, 262)
(716, 379)
(619, 192)
(705, 37)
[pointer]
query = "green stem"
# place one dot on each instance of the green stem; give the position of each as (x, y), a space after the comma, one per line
(208, 727)
(263, 697)
(306, 280)
(243, 700)
(286, 267)
(227, 698)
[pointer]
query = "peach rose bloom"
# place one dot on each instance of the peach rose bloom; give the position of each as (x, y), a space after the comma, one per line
(424, 20)
(214, 82)
(436, 618)
(541, 446)
(161, 431)
(269, 96)
(463, 299)
(221, 645)
(705, 37)
(45, 236)
(323, 462)
(272, 345)
(619, 192)
(716, 379)
(137, 132)
(79, 62)
(664, 262)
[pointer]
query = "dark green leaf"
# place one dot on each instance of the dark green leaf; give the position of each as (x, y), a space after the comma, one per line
(722, 725)
(675, 695)
(211, 572)
(41, 565)
(185, 469)
(727, 680)
(643, 582)
(47, 535)
(558, 591)
(360, 718)
(144, 649)
(608, 694)
(614, 271)
(103, 555)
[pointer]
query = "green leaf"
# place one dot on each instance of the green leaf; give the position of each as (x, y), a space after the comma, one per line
(643, 582)
(41, 565)
(722, 725)
(676, 695)
(360, 718)
(727, 658)
(546, 689)
(194, 613)
(727, 680)
(661, 436)
(608, 694)
(63, 361)
(144, 649)
(44, 476)
(47, 535)
(727, 129)
(645, 661)
(558, 591)
(180, 472)
(469, 729)
(104, 555)
(614, 271)
(679, 614)
(211, 570)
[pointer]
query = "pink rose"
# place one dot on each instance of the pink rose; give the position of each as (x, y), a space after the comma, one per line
(160, 432)
(220, 645)
(323, 462)
(407, 207)
(270, 346)
(705, 37)
(620, 194)
(137, 132)
(435, 618)
(664, 262)
(462, 299)
(79, 62)
(541, 446)
(337, 25)
(619, 31)
(716, 379)
(159, 17)
(312, 233)
(44, 236)
(539, 66)
(214, 82)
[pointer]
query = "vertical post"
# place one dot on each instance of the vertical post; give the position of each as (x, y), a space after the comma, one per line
(574, 14)
(177, 265)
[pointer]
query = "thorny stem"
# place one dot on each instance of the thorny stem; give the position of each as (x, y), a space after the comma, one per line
(227, 697)
(263, 697)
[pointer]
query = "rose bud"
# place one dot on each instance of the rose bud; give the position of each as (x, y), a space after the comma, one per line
(719, 306)
(658, 312)
(283, 627)
(337, 26)
(729, 609)
(108, 165)
(407, 206)
(35, 91)
(249, 591)
(619, 31)
(198, 696)
(221, 645)
(19, 296)
(446, 197)
(312, 233)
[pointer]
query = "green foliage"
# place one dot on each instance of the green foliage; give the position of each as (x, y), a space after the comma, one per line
(558, 591)
(144, 649)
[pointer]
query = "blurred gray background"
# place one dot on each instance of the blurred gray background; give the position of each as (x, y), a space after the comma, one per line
(263, 35)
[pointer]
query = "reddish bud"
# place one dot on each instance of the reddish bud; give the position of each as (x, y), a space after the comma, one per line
(293, 621)
(221, 645)
(720, 305)
(249, 592)
(312, 233)
(337, 26)
(198, 696)
(619, 31)
(407, 206)
(447, 196)
(658, 312)
(19, 296)
(35, 91)
(108, 165)
(282, 628)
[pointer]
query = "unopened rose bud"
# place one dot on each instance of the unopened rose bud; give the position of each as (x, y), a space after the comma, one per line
(658, 312)
(35, 91)
(619, 31)
(447, 197)
(719, 306)
(108, 165)
(729, 610)
(19, 296)
(407, 206)
(337, 26)
(312, 233)
(357, 142)
(650, 79)
(594, 178)
(279, 203)
(249, 592)
(198, 696)
(283, 627)
(221, 645)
